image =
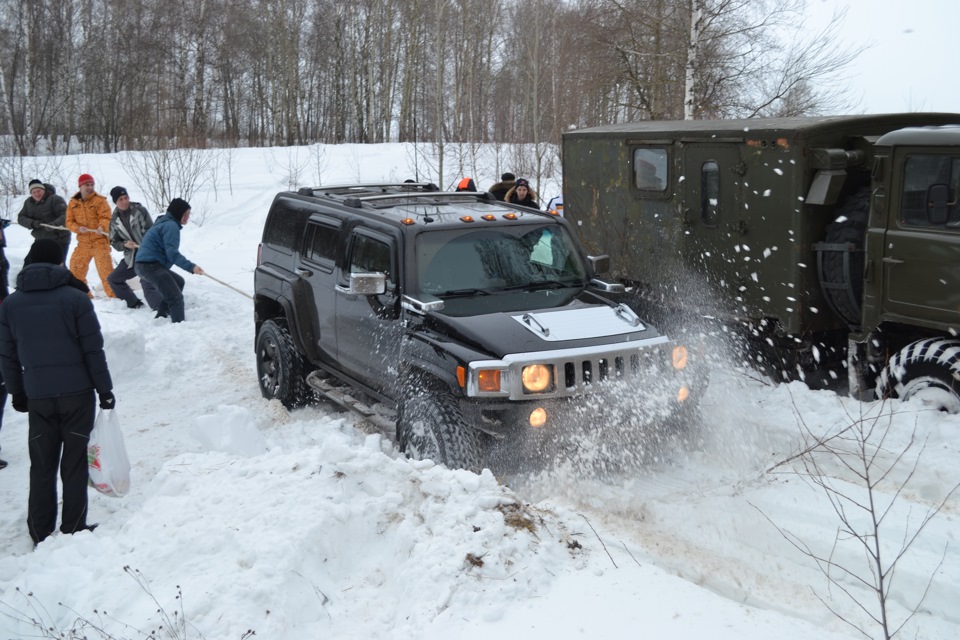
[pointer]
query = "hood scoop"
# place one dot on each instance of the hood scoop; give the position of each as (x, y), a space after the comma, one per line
(577, 324)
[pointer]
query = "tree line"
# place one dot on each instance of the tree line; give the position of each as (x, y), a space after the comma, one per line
(110, 75)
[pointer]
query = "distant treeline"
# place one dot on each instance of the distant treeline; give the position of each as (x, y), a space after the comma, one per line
(106, 75)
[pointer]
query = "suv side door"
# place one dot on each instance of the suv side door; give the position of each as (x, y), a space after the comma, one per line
(369, 329)
(321, 240)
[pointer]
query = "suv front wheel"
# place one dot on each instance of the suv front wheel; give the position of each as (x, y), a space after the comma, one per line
(431, 426)
(280, 367)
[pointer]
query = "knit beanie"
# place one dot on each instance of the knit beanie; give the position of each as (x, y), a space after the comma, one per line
(178, 207)
(116, 192)
(44, 250)
(84, 178)
(35, 184)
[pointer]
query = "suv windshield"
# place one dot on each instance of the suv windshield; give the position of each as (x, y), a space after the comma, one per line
(488, 261)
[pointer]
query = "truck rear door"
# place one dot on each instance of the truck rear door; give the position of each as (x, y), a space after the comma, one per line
(712, 182)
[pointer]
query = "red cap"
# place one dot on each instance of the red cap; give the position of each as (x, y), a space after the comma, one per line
(84, 178)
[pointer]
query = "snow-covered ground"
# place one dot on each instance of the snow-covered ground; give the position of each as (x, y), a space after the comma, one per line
(244, 518)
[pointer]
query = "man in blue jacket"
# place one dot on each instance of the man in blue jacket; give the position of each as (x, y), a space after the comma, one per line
(51, 356)
(159, 251)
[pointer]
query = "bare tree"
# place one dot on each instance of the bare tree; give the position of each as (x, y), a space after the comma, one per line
(855, 469)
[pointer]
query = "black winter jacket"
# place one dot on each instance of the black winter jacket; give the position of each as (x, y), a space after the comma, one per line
(50, 340)
(51, 210)
(499, 190)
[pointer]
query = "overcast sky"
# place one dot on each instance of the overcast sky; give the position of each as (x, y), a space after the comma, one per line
(911, 63)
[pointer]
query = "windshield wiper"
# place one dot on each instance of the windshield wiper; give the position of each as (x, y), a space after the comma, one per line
(542, 284)
(462, 293)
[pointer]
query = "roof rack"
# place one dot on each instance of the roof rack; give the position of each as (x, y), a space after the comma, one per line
(479, 196)
(371, 188)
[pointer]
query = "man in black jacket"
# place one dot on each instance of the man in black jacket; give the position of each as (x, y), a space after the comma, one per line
(51, 356)
(42, 211)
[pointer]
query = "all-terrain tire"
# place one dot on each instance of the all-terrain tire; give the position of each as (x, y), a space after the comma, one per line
(430, 426)
(281, 370)
(845, 268)
(927, 369)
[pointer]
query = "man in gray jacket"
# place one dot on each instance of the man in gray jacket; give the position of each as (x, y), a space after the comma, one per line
(43, 210)
(129, 223)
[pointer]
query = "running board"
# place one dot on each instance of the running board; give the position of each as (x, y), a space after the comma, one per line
(340, 396)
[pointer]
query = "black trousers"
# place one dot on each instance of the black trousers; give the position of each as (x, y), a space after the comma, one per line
(59, 432)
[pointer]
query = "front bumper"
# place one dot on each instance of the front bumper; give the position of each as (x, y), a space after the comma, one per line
(575, 372)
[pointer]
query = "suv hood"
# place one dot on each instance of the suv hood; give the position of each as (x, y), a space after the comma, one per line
(574, 324)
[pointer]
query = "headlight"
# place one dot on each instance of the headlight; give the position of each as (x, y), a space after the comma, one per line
(537, 378)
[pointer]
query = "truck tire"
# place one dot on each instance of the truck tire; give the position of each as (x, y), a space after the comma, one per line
(431, 426)
(929, 370)
(841, 273)
(281, 369)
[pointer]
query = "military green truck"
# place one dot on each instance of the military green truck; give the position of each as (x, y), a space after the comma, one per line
(826, 242)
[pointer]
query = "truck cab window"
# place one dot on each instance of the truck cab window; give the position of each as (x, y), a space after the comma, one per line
(650, 168)
(930, 187)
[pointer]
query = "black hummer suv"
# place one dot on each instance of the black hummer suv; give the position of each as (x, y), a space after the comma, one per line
(477, 325)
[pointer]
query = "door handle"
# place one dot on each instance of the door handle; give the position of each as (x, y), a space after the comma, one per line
(303, 273)
(889, 260)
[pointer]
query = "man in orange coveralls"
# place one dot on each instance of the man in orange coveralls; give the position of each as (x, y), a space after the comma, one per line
(88, 216)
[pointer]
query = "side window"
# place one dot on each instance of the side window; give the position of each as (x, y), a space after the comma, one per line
(284, 227)
(710, 193)
(369, 255)
(322, 241)
(650, 168)
(930, 187)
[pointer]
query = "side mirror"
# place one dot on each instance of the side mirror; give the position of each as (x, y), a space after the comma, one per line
(368, 284)
(599, 264)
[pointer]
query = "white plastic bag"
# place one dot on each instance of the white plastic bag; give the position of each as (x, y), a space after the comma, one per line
(107, 456)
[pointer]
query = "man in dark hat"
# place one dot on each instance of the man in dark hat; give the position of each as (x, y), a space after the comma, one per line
(129, 223)
(51, 356)
(43, 211)
(159, 251)
(499, 190)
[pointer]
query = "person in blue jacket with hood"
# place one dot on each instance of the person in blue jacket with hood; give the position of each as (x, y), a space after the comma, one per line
(159, 251)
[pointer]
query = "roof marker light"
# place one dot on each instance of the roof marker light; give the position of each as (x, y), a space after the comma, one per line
(488, 217)
(467, 219)
(408, 221)
(509, 216)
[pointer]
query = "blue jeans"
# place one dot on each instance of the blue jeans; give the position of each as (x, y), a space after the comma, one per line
(170, 286)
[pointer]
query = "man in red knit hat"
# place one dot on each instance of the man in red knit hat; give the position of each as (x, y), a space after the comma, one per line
(88, 216)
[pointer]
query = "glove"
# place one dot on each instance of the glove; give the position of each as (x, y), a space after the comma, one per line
(83, 230)
(19, 401)
(107, 401)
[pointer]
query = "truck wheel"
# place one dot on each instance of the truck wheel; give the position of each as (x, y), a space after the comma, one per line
(430, 426)
(928, 370)
(280, 367)
(845, 268)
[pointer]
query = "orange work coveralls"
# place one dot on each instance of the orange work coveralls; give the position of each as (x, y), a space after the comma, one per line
(94, 213)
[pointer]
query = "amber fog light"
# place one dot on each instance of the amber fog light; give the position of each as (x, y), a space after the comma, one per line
(537, 378)
(679, 357)
(488, 380)
(538, 417)
(683, 394)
